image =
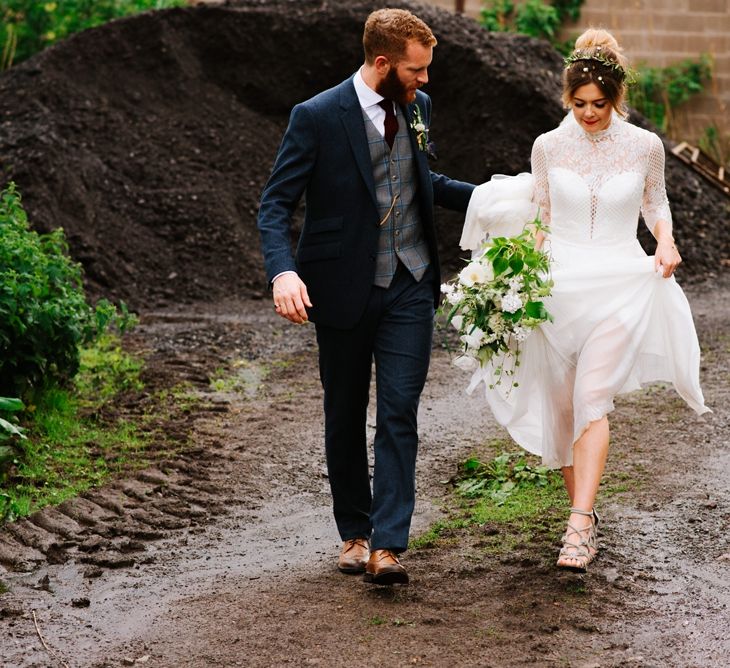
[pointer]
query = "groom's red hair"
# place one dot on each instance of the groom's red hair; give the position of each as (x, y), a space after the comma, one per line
(388, 31)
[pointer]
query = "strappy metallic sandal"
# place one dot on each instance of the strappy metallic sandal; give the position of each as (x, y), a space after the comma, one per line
(584, 551)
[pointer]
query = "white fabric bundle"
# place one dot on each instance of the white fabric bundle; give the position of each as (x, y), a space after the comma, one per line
(501, 207)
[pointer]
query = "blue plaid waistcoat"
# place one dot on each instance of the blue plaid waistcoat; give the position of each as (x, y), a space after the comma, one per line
(401, 232)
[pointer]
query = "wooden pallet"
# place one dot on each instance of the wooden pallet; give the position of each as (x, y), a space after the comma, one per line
(703, 164)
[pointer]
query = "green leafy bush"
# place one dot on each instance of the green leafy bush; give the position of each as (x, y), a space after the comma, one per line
(28, 26)
(44, 315)
(660, 90)
(532, 17)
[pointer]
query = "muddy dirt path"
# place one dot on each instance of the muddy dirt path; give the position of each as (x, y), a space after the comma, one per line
(223, 554)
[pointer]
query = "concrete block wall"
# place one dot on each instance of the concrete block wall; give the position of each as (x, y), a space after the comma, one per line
(660, 33)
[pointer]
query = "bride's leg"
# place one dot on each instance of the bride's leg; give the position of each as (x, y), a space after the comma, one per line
(589, 459)
(569, 481)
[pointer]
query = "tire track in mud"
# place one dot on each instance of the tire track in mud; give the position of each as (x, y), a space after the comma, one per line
(111, 526)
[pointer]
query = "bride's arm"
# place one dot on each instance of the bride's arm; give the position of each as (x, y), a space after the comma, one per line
(655, 209)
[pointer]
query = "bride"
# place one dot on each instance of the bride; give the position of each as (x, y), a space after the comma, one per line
(619, 317)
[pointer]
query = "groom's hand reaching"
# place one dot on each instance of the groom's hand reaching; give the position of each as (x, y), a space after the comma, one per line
(291, 298)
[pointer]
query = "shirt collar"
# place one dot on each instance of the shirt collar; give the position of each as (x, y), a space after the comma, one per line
(365, 95)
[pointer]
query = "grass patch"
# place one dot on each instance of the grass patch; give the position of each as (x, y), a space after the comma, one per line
(377, 620)
(68, 448)
(440, 532)
(505, 502)
(247, 377)
(106, 370)
(243, 377)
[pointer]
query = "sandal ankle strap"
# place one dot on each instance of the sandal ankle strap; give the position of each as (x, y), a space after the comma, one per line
(587, 513)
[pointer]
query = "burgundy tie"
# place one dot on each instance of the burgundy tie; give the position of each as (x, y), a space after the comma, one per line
(391, 122)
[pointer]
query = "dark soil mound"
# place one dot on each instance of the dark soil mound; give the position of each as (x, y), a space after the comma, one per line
(149, 139)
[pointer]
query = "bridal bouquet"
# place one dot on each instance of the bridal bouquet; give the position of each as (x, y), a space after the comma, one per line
(496, 300)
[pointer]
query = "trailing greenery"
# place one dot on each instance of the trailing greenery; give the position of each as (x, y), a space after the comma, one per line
(660, 90)
(533, 17)
(28, 26)
(44, 315)
(65, 449)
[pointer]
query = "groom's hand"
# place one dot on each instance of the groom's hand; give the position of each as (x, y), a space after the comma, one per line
(291, 298)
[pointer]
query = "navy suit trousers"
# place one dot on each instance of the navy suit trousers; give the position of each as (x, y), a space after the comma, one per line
(395, 332)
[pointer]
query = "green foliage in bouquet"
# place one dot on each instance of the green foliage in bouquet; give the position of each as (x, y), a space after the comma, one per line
(497, 299)
(28, 26)
(44, 315)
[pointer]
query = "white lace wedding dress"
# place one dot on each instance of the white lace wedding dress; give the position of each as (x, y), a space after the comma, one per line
(617, 322)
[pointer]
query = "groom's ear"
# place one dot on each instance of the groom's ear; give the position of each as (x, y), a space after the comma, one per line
(382, 65)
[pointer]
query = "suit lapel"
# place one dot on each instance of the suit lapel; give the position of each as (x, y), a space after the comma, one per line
(355, 128)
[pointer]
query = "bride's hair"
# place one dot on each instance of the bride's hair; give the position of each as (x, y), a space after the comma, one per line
(598, 59)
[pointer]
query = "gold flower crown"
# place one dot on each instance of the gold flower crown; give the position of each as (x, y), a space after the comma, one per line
(627, 76)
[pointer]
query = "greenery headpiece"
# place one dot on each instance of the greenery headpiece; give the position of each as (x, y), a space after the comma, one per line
(627, 76)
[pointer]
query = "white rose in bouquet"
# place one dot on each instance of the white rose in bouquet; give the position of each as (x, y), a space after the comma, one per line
(474, 273)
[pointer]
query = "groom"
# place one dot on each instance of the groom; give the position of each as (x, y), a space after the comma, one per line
(366, 272)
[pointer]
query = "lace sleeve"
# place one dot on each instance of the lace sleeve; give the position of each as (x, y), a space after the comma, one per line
(541, 195)
(655, 205)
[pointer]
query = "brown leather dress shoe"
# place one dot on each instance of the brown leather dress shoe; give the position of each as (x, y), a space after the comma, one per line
(383, 568)
(354, 555)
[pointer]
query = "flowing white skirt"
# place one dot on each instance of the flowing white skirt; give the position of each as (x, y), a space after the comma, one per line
(617, 325)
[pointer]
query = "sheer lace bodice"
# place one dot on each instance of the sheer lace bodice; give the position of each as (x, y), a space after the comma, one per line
(616, 322)
(590, 187)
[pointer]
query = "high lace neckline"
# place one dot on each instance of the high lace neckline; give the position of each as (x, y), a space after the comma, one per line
(611, 131)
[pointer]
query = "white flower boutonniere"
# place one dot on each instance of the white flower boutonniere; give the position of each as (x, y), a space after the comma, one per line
(420, 128)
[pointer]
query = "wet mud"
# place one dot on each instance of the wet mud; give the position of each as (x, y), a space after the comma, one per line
(223, 554)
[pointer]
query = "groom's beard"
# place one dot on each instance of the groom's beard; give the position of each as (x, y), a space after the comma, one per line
(392, 88)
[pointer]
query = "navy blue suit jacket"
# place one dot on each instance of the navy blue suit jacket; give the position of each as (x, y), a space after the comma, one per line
(324, 156)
